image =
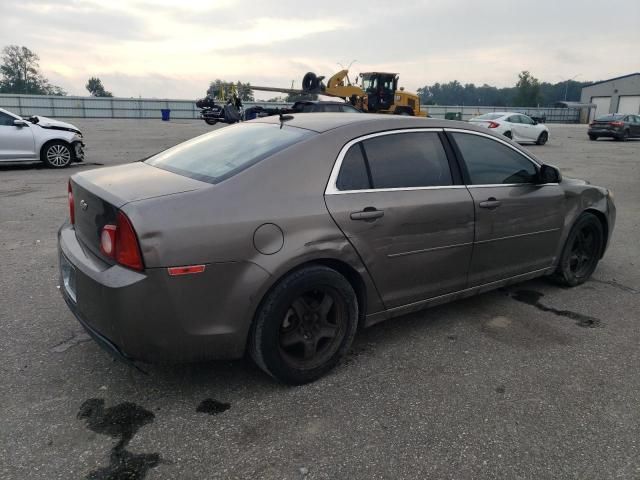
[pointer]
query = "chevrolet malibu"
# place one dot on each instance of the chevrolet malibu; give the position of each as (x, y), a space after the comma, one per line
(281, 237)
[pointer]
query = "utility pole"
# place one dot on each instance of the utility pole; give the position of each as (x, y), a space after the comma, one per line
(566, 86)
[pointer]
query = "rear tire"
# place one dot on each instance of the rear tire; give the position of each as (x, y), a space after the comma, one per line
(305, 325)
(593, 137)
(210, 122)
(581, 251)
(57, 154)
(542, 139)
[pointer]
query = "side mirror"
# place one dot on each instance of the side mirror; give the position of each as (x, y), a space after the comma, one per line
(549, 174)
(535, 122)
(20, 123)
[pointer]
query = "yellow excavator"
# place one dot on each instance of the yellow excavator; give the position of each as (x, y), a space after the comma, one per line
(378, 92)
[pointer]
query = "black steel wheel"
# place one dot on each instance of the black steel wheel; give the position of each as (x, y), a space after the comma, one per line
(305, 325)
(582, 251)
(542, 139)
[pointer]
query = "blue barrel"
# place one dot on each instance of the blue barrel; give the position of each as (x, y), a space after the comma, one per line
(166, 114)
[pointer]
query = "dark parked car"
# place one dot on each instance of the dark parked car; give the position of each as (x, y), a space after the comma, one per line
(300, 230)
(615, 125)
(316, 106)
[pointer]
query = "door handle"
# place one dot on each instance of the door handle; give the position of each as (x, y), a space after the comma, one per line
(491, 203)
(368, 214)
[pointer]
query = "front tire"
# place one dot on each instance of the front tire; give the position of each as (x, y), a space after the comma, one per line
(542, 139)
(57, 154)
(305, 325)
(208, 121)
(581, 251)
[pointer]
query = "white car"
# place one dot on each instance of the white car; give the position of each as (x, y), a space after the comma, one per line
(55, 143)
(516, 126)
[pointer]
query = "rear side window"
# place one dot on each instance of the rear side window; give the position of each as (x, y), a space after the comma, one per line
(223, 153)
(353, 173)
(406, 160)
(489, 162)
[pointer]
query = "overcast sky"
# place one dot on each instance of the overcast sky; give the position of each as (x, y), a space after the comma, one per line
(172, 49)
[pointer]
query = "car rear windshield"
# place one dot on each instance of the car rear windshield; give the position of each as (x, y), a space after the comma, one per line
(489, 116)
(608, 118)
(221, 154)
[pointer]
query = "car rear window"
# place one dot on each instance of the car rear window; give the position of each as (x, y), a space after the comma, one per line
(221, 154)
(608, 118)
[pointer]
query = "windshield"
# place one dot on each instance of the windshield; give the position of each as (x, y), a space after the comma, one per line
(608, 118)
(219, 155)
(489, 116)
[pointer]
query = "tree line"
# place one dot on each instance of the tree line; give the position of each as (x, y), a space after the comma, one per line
(20, 73)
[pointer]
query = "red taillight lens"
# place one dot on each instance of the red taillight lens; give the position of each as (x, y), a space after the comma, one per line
(120, 242)
(616, 124)
(493, 125)
(127, 248)
(72, 210)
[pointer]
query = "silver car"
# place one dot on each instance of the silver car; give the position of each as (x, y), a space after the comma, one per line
(281, 237)
(38, 138)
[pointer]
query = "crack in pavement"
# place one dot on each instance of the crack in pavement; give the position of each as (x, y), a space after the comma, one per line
(75, 339)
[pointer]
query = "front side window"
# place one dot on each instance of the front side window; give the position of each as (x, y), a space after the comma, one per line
(526, 120)
(331, 108)
(6, 120)
(223, 153)
(490, 162)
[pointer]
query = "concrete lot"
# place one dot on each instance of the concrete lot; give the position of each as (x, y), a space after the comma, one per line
(497, 386)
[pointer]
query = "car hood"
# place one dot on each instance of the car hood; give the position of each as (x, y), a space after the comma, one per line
(128, 183)
(51, 123)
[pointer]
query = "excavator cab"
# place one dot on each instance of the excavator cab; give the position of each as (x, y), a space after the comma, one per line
(380, 89)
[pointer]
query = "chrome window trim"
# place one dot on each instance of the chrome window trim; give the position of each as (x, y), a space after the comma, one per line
(331, 188)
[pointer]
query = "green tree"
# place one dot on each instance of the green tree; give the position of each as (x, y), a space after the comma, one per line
(220, 89)
(528, 90)
(96, 89)
(20, 73)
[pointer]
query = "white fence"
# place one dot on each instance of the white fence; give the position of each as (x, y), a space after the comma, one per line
(92, 107)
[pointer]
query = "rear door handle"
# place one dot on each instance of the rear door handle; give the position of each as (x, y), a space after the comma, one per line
(491, 203)
(368, 214)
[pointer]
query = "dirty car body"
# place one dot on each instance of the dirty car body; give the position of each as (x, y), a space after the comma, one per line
(219, 247)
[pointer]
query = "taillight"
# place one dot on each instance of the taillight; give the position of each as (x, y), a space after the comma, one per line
(493, 125)
(120, 242)
(616, 124)
(72, 211)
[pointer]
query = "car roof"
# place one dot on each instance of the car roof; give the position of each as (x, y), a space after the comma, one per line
(323, 122)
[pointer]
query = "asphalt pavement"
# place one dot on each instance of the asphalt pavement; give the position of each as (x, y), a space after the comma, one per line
(529, 382)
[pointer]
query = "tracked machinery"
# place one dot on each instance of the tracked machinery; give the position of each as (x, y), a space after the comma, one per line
(377, 93)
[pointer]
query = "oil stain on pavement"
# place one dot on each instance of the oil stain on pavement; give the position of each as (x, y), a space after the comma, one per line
(212, 407)
(121, 421)
(531, 297)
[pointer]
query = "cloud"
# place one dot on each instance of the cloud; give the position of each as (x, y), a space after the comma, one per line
(165, 48)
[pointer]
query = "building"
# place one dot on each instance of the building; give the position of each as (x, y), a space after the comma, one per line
(616, 95)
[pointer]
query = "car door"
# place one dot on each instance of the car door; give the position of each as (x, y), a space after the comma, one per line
(634, 125)
(16, 143)
(397, 200)
(529, 131)
(518, 220)
(516, 128)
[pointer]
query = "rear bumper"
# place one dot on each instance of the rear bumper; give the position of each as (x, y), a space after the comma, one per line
(603, 132)
(152, 317)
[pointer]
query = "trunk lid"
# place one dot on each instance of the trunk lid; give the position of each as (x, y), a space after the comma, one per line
(99, 194)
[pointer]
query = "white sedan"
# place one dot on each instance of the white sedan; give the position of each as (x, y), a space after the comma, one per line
(516, 126)
(55, 143)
